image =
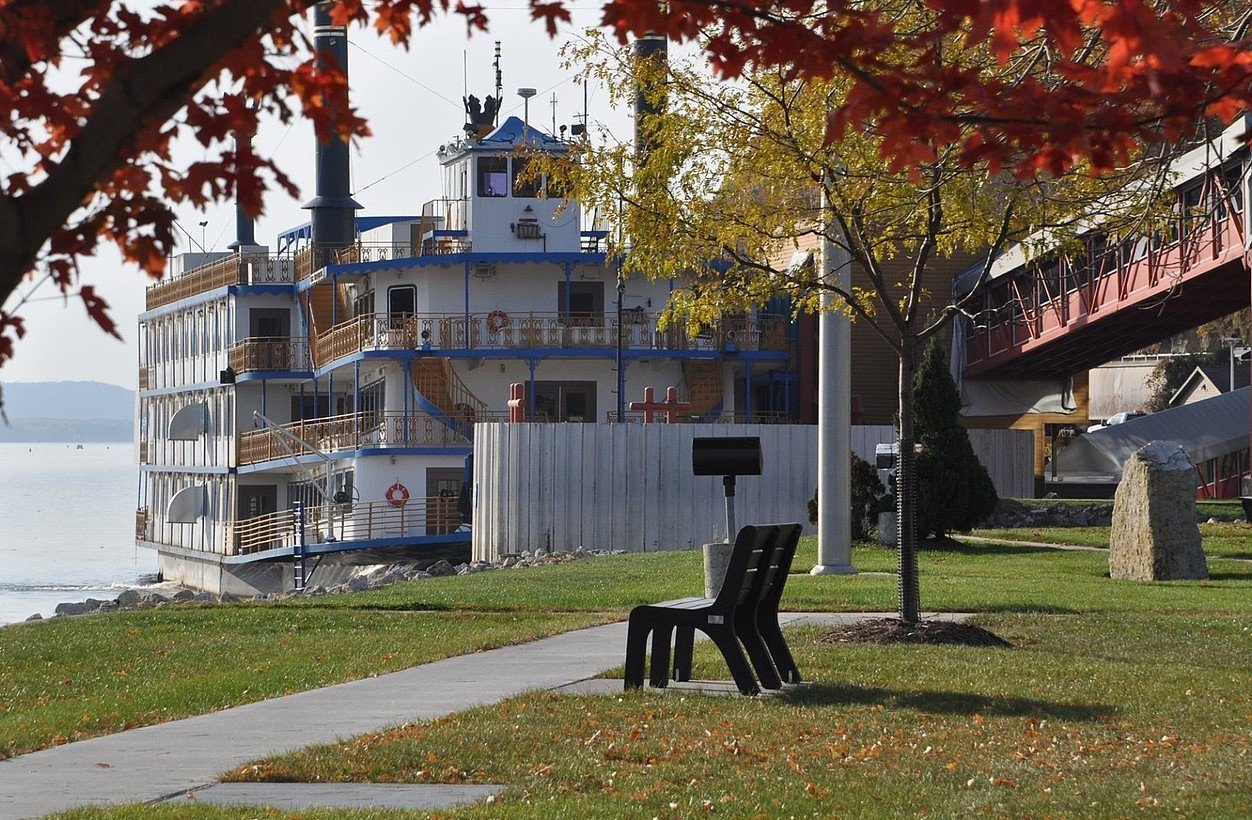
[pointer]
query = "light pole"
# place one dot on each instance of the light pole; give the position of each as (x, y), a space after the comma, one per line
(834, 410)
(1236, 354)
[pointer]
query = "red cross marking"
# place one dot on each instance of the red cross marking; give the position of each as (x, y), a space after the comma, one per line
(670, 408)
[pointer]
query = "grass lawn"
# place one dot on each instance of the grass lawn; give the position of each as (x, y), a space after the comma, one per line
(73, 678)
(1094, 715)
(1118, 697)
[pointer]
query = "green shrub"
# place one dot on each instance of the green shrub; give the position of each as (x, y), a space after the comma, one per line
(867, 495)
(954, 491)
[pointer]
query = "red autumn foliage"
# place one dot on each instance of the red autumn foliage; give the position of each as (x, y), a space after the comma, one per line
(95, 131)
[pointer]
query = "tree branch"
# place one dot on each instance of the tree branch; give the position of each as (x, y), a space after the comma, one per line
(141, 92)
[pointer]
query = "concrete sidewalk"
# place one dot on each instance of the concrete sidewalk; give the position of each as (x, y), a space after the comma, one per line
(167, 760)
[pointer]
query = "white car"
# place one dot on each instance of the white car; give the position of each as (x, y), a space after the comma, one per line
(1117, 418)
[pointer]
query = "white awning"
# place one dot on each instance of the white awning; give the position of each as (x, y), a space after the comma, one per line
(187, 505)
(1014, 398)
(189, 423)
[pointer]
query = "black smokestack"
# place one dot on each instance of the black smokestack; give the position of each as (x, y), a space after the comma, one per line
(652, 55)
(245, 228)
(334, 210)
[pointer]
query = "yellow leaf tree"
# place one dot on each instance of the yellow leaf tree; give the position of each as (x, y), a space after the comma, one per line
(739, 176)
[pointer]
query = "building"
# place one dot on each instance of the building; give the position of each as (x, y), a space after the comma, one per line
(1053, 310)
(1210, 380)
(313, 406)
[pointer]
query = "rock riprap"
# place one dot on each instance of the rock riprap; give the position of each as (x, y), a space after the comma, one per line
(1154, 535)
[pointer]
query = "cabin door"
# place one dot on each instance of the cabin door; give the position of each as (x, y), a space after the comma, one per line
(259, 499)
(271, 330)
(443, 491)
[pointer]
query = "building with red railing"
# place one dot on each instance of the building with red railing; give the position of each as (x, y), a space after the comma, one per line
(1050, 316)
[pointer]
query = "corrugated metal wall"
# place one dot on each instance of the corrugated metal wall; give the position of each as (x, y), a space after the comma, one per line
(629, 486)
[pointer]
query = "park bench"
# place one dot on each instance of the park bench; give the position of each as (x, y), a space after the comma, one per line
(730, 620)
(765, 621)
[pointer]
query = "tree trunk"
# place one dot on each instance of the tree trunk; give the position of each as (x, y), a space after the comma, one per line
(906, 489)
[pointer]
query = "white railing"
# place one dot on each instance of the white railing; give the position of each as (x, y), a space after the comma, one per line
(363, 521)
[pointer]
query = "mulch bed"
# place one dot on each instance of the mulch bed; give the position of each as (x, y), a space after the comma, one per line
(893, 630)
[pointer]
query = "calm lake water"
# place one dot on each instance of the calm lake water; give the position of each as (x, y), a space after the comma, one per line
(67, 526)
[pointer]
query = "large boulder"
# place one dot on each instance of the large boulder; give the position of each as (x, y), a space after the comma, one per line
(1154, 535)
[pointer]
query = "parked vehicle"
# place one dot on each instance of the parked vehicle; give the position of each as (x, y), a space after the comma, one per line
(1117, 418)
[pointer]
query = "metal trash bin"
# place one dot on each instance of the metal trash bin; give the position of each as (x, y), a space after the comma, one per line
(728, 457)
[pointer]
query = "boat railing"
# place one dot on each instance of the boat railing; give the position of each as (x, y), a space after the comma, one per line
(368, 520)
(374, 252)
(216, 274)
(304, 263)
(594, 241)
(262, 532)
(351, 431)
(638, 330)
(360, 521)
(145, 377)
(270, 353)
(271, 270)
(229, 270)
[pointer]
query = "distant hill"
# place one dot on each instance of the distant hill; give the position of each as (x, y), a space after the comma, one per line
(67, 411)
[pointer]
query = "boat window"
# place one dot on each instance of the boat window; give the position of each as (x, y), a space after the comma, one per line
(269, 323)
(572, 401)
(363, 305)
(1232, 193)
(581, 303)
(554, 187)
(371, 399)
(493, 176)
(402, 299)
(525, 185)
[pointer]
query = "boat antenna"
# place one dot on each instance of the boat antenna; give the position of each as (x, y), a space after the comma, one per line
(464, 72)
(553, 131)
(499, 85)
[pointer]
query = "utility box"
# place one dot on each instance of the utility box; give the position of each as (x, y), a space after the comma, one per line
(736, 455)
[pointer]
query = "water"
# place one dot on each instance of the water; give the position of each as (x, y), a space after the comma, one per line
(67, 526)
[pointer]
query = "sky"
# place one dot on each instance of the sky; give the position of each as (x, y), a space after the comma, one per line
(412, 101)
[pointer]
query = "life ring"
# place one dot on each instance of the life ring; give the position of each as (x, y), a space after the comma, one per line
(397, 494)
(497, 320)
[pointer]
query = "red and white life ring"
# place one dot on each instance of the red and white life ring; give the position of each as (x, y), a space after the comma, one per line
(397, 494)
(497, 320)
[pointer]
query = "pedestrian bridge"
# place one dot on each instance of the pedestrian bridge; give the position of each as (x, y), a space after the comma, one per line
(1057, 314)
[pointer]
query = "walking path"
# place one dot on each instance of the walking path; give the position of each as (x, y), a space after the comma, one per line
(978, 539)
(169, 760)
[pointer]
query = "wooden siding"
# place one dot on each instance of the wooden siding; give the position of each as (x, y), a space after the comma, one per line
(1035, 424)
(875, 367)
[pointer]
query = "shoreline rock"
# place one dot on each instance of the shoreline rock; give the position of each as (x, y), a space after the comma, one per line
(368, 577)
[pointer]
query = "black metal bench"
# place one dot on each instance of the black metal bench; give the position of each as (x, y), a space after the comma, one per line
(777, 665)
(730, 619)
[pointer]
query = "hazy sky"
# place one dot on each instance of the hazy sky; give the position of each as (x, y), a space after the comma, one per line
(413, 103)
